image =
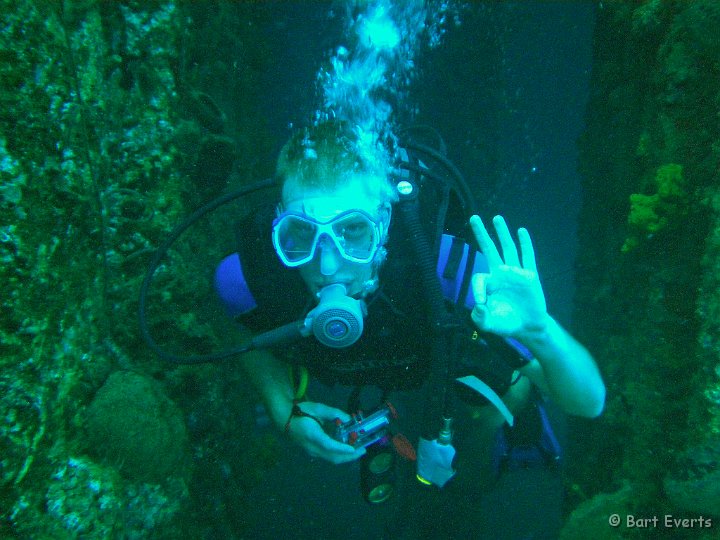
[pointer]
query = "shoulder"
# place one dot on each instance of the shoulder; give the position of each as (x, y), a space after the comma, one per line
(278, 292)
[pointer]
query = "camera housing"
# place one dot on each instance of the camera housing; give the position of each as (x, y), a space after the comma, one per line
(362, 431)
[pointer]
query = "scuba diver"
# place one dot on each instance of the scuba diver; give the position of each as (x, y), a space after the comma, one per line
(334, 235)
(358, 253)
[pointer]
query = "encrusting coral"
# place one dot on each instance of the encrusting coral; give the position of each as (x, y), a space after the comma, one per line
(650, 214)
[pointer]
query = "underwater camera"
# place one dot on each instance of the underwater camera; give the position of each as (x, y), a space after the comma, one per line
(377, 466)
(362, 431)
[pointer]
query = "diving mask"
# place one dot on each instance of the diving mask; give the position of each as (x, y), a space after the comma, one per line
(354, 232)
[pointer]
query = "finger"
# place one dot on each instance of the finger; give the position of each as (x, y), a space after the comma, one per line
(337, 452)
(319, 443)
(479, 288)
(479, 316)
(346, 458)
(331, 445)
(487, 246)
(527, 250)
(509, 249)
(324, 412)
(334, 457)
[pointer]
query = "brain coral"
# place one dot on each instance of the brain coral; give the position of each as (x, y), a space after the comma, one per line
(132, 423)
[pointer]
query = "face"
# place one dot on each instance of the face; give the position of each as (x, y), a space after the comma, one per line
(328, 266)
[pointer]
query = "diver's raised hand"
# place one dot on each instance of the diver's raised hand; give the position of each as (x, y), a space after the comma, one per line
(308, 433)
(509, 298)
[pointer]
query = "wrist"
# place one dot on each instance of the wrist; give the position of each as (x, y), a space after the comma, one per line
(280, 408)
(539, 333)
(297, 412)
(294, 411)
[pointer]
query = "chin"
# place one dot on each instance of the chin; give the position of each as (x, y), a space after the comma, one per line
(352, 288)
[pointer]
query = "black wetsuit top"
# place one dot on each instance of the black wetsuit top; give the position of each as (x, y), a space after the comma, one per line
(394, 350)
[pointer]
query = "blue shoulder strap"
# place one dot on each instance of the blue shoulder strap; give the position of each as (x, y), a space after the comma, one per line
(232, 288)
(456, 265)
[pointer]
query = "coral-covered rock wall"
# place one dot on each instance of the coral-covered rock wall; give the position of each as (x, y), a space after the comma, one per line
(88, 176)
(111, 131)
(648, 274)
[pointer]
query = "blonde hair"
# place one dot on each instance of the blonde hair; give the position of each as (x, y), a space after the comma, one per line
(327, 155)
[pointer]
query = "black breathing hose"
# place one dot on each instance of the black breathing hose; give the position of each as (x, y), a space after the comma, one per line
(461, 187)
(155, 262)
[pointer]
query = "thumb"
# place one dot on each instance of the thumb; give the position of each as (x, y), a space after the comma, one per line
(325, 412)
(479, 287)
(480, 313)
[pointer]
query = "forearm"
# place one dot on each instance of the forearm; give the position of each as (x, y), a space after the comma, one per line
(271, 379)
(570, 374)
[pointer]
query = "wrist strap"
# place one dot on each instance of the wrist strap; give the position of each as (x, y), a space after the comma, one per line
(297, 411)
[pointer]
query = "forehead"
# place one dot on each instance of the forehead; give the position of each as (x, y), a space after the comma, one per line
(322, 204)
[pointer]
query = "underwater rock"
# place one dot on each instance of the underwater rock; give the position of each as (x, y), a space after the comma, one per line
(205, 111)
(694, 484)
(213, 167)
(590, 519)
(85, 499)
(24, 423)
(131, 423)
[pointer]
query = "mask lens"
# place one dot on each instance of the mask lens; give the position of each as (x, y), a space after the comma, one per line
(357, 236)
(296, 238)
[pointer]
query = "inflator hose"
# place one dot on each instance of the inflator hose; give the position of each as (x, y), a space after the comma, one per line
(459, 185)
(438, 405)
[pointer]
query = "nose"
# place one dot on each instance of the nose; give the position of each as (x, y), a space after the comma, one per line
(329, 257)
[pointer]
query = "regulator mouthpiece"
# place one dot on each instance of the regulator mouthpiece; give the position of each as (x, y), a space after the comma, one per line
(337, 321)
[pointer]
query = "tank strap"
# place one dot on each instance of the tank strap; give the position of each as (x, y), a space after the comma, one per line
(453, 257)
(484, 390)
